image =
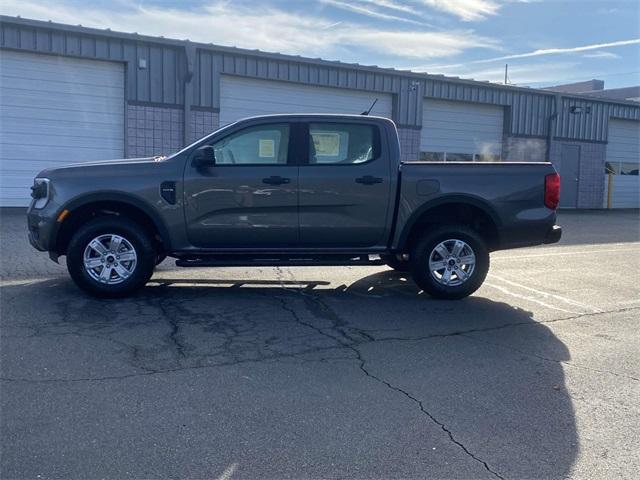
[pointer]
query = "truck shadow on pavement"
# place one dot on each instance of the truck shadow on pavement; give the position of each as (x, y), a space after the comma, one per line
(484, 373)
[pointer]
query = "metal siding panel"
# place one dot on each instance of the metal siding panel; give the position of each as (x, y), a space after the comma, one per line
(206, 83)
(263, 68)
(156, 76)
(142, 74)
(72, 44)
(87, 46)
(272, 69)
(57, 42)
(11, 37)
(43, 41)
(27, 39)
(342, 78)
(129, 55)
(283, 70)
(228, 64)
(323, 76)
(294, 71)
(216, 68)
(116, 49)
(369, 81)
(252, 66)
(169, 75)
(102, 48)
(378, 82)
(196, 79)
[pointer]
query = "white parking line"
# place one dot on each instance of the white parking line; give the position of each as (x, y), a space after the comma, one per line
(571, 302)
(530, 299)
(560, 254)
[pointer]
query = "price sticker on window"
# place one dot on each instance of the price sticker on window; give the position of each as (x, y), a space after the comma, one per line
(266, 148)
(327, 144)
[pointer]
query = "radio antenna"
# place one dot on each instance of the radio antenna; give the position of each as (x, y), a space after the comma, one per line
(367, 112)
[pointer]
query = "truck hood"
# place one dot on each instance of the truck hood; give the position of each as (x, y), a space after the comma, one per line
(88, 168)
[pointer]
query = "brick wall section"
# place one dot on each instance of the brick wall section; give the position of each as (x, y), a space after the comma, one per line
(409, 144)
(591, 180)
(521, 149)
(203, 123)
(153, 130)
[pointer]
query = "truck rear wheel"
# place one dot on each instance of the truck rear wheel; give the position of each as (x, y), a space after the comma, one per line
(450, 262)
(111, 257)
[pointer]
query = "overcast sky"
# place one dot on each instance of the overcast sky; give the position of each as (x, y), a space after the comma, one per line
(545, 42)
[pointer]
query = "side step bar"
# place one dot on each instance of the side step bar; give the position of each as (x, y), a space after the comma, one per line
(278, 261)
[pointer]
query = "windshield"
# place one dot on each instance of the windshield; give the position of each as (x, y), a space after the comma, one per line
(201, 139)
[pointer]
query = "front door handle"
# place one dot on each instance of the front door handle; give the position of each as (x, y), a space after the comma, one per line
(276, 180)
(368, 180)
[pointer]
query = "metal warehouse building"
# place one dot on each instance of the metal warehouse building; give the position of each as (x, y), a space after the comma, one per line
(70, 94)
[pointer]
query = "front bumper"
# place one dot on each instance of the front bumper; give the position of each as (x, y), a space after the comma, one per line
(553, 235)
(40, 225)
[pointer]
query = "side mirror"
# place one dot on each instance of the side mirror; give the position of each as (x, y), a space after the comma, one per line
(204, 157)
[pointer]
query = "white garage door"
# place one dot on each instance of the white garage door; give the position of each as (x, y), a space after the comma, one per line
(623, 161)
(55, 111)
(458, 131)
(245, 97)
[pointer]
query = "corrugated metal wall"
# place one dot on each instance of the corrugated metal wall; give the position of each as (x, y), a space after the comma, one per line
(591, 121)
(162, 81)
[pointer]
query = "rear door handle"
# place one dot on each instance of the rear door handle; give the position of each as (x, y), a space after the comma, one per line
(276, 180)
(368, 180)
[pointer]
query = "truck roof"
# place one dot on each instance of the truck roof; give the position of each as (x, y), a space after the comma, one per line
(337, 116)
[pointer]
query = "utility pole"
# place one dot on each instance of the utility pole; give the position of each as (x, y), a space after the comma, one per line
(506, 69)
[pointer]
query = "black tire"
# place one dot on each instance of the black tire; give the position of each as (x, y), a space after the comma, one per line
(398, 264)
(421, 253)
(137, 237)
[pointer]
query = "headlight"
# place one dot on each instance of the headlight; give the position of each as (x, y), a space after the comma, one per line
(40, 192)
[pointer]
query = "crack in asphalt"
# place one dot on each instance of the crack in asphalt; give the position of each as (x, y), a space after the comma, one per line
(427, 413)
(329, 314)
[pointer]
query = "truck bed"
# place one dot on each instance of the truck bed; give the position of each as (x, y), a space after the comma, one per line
(511, 192)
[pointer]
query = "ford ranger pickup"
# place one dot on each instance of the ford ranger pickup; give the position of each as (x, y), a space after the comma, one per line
(291, 190)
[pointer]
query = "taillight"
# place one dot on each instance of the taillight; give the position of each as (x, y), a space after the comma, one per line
(552, 191)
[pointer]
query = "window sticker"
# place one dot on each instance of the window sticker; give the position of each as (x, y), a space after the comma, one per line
(327, 144)
(266, 148)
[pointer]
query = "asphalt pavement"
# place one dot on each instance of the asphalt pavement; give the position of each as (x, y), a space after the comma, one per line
(345, 372)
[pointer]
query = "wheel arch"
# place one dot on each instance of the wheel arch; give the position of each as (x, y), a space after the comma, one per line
(472, 211)
(84, 208)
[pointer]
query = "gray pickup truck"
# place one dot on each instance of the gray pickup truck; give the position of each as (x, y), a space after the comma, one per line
(291, 190)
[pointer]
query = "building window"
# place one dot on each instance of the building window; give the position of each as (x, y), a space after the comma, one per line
(458, 157)
(621, 168)
(432, 156)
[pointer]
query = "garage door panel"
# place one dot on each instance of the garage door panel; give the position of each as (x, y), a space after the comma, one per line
(243, 97)
(61, 101)
(460, 127)
(56, 111)
(623, 153)
(71, 148)
(43, 115)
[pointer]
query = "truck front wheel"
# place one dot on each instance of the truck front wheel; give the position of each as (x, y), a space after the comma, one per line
(450, 262)
(111, 257)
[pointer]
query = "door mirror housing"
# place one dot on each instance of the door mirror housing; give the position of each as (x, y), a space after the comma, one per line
(204, 157)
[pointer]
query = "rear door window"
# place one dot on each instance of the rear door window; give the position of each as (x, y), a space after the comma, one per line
(342, 143)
